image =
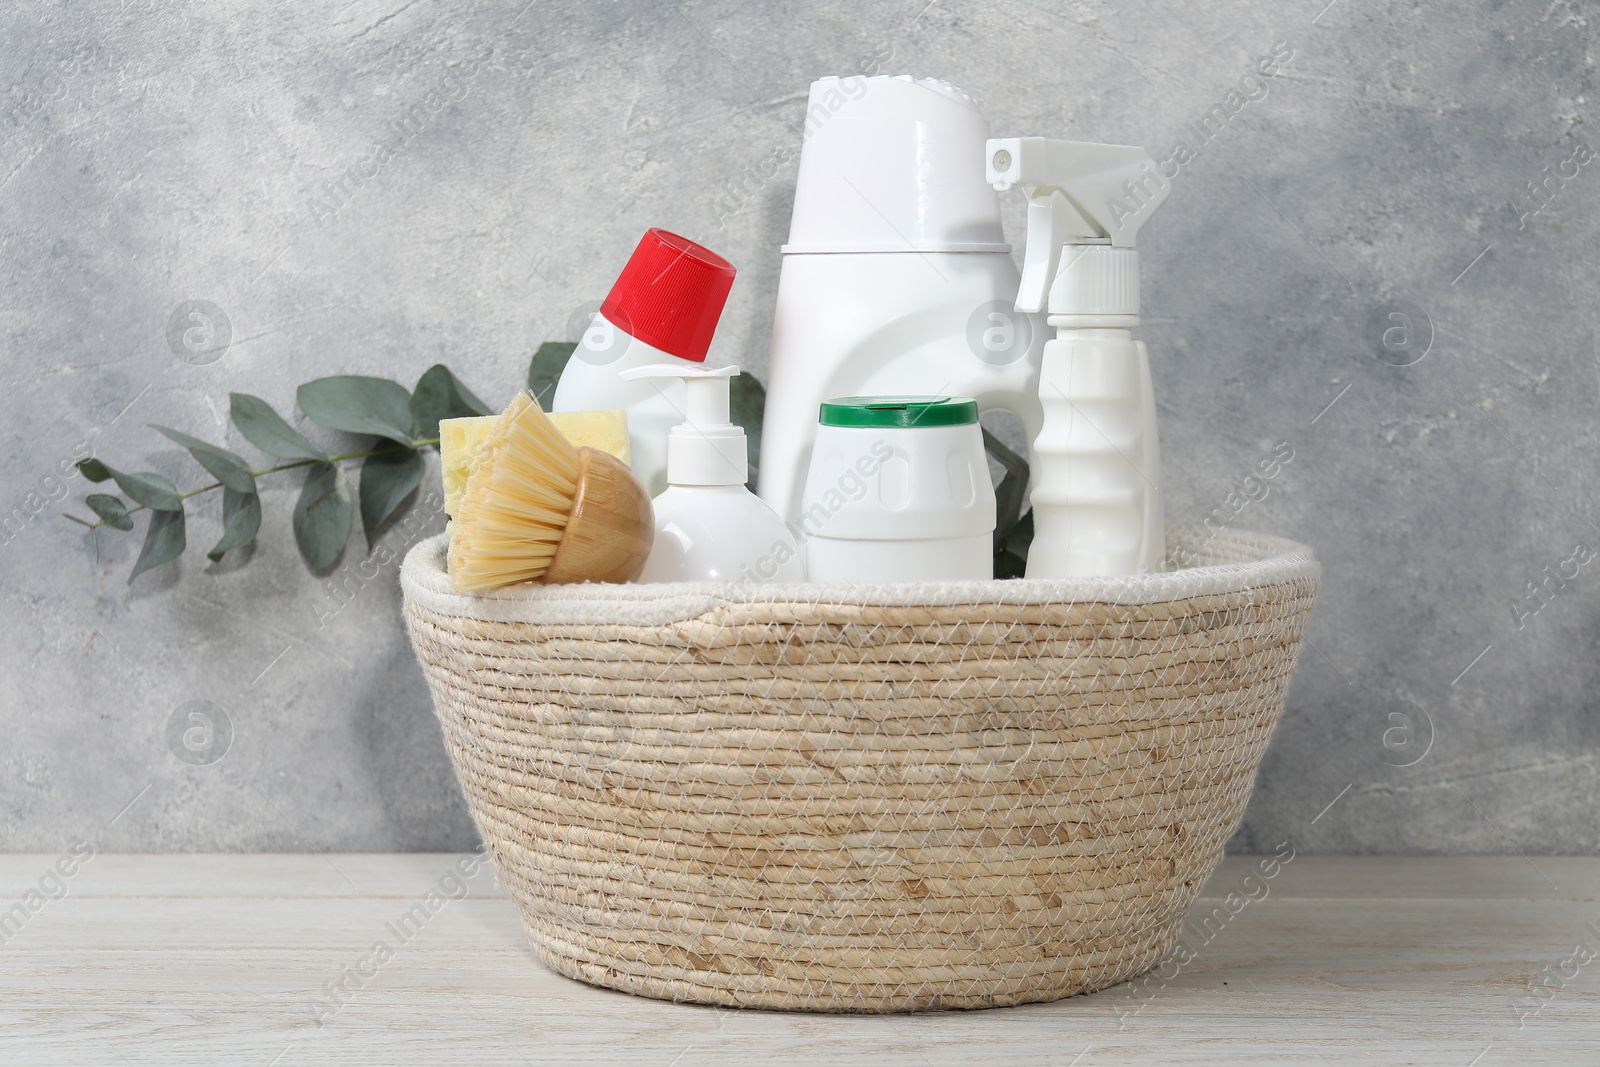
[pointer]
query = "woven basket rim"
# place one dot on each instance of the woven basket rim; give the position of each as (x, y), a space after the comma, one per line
(1229, 561)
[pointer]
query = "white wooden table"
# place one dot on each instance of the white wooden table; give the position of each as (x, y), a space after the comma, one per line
(218, 959)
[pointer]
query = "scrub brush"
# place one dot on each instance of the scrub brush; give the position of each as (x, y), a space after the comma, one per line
(536, 508)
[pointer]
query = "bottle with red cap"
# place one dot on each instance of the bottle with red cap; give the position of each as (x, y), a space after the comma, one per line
(663, 309)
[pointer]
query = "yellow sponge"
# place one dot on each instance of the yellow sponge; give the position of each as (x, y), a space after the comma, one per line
(458, 444)
(459, 440)
(605, 430)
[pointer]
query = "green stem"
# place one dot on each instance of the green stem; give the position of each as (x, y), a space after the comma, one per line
(271, 470)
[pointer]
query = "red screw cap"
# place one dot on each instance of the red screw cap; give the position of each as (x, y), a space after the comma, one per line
(671, 294)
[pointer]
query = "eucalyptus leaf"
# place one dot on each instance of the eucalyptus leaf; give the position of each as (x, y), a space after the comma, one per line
(545, 370)
(387, 478)
(1011, 559)
(226, 467)
(322, 515)
(163, 542)
(1021, 538)
(110, 509)
(93, 469)
(1008, 498)
(440, 395)
(241, 518)
(1013, 463)
(358, 404)
(747, 406)
(149, 489)
(1012, 491)
(265, 428)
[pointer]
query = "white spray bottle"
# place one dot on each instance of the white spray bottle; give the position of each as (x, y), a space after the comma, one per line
(709, 526)
(1097, 459)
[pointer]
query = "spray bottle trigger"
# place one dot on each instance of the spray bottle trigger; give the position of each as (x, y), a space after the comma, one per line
(1049, 217)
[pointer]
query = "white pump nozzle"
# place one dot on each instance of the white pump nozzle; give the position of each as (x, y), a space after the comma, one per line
(706, 448)
(1078, 193)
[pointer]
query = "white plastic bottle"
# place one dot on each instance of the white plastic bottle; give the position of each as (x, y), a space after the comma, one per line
(898, 491)
(663, 309)
(1097, 458)
(709, 526)
(897, 278)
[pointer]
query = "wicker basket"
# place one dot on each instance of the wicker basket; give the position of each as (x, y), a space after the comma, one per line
(866, 799)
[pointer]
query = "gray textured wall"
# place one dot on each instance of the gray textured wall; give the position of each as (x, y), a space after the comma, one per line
(157, 153)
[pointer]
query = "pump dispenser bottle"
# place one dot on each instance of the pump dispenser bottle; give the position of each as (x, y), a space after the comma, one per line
(709, 526)
(1096, 459)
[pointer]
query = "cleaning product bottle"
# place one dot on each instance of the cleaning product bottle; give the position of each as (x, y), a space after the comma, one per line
(663, 308)
(1096, 460)
(897, 279)
(709, 526)
(898, 491)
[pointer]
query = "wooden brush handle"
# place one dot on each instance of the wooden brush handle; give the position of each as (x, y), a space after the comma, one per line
(611, 527)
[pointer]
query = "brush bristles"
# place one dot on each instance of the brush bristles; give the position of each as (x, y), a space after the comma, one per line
(518, 497)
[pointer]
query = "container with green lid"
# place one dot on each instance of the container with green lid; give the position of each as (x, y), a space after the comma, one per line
(898, 491)
(901, 411)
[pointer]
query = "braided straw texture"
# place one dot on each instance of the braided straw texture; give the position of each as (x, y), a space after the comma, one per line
(863, 799)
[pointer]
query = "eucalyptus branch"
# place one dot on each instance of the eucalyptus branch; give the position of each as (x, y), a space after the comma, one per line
(398, 422)
(419, 443)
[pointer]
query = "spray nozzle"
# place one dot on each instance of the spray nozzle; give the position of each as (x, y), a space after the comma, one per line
(1078, 193)
(707, 448)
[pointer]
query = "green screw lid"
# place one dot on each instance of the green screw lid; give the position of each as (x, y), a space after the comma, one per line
(905, 412)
